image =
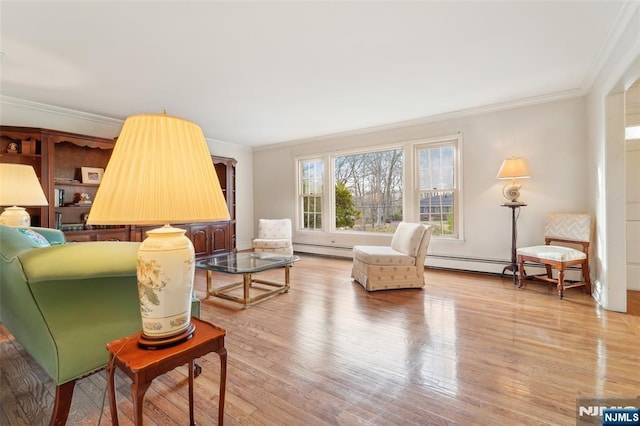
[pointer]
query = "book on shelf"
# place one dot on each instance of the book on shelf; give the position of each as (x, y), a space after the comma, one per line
(59, 202)
(58, 220)
(72, 226)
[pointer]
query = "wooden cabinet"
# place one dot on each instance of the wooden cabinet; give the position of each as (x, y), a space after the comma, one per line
(226, 171)
(212, 238)
(221, 239)
(58, 158)
(207, 238)
(68, 155)
(201, 239)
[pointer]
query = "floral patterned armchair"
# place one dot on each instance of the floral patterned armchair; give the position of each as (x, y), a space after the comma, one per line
(400, 265)
(274, 236)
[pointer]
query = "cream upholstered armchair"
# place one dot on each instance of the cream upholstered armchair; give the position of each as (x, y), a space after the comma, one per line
(274, 236)
(400, 265)
(566, 230)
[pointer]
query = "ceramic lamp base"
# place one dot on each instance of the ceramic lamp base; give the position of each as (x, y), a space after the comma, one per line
(511, 192)
(166, 267)
(15, 216)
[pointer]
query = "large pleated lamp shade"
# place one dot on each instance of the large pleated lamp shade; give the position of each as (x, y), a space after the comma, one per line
(19, 186)
(161, 172)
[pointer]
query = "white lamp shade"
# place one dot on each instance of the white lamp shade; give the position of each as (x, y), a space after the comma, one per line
(513, 168)
(19, 185)
(160, 172)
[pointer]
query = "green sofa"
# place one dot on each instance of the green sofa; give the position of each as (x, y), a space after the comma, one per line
(63, 303)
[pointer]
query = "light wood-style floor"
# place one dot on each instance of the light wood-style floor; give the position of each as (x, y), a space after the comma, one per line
(466, 349)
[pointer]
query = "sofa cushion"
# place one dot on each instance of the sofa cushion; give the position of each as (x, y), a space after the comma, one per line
(38, 239)
(382, 256)
(271, 243)
(407, 238)
(14, 242)
(557, 253)
(92, 259)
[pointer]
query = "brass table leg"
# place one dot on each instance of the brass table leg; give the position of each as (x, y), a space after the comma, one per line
(247, 284)
(286, 278)
(209, 284)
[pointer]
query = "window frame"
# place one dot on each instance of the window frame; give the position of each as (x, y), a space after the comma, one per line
(410, 179)
(300, 211)
(456, 142)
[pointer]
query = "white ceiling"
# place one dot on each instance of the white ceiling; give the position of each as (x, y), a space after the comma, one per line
(256, 73)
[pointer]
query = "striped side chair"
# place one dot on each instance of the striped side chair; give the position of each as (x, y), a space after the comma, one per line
(572, 235)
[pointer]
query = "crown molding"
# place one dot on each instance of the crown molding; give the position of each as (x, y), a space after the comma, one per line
(237, 147)
(85, 116)
(485, 109)
(61, 111)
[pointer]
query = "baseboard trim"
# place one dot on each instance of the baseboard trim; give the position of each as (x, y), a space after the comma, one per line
(435, 261)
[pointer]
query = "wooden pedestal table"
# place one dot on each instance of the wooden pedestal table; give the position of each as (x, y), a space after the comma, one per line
(515, 212)
(144, 365)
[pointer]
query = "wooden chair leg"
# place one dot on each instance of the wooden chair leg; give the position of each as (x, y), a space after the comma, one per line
(561, 283)
(587, 277)
(549, 271)
(520, 272)
(64, 394)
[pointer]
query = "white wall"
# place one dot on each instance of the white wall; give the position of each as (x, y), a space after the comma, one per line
(550, 136)
(605, 131)
(17, 112)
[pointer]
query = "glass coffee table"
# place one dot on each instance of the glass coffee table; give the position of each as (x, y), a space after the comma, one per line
(248, 264)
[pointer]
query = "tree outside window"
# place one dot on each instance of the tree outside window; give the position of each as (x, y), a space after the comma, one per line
(346, 212)
(374, 182)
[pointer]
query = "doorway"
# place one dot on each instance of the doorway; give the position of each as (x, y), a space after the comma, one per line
(632, 196)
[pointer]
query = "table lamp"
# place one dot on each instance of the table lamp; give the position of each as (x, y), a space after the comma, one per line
(19, 185)
(513, 168)
(161, 172)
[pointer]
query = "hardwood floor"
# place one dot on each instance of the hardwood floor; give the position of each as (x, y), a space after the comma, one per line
(633, 302)
(466, 349)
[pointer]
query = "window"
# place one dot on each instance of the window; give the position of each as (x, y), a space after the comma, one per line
(368, 191)
(438, 186)
(311, 172)
(372, 191)
(632, 132)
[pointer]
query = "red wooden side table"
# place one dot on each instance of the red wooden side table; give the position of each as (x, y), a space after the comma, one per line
(144, 365)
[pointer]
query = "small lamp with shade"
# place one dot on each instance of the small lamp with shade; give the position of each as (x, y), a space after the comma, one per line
(19, 186)
(513, 168)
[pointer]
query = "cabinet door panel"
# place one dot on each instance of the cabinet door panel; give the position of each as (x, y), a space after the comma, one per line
(200, 237)
(220, 238)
